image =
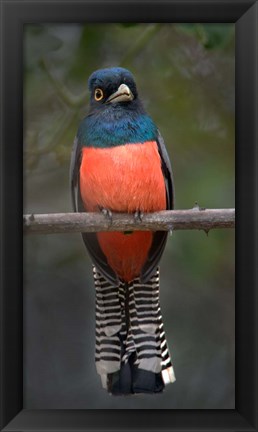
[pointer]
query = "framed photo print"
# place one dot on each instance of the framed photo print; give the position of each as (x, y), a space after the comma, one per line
(135, 124)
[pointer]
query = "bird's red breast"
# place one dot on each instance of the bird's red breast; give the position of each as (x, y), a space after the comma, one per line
(126, 178)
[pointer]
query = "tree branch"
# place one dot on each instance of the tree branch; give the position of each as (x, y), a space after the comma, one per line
(196, 218)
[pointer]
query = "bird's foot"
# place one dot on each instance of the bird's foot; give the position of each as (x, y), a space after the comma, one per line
(138, 215)
(107, 213)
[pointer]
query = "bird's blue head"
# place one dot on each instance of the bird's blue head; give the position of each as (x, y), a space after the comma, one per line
(111, 86)
(116, 115)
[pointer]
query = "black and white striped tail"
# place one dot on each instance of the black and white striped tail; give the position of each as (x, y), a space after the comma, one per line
(131, 355)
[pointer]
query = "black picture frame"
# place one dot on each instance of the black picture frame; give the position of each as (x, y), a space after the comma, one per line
(14, 14)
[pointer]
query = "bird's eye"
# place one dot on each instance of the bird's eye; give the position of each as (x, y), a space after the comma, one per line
(98, 95)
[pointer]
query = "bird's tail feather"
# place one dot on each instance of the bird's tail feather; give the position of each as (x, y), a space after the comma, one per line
(132, 355)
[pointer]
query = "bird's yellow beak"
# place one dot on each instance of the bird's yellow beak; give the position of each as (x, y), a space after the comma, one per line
(123, 94)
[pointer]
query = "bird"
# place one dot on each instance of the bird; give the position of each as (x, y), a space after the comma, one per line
(119, 164)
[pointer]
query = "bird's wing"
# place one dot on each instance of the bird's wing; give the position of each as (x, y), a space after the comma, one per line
(167, 172)
(90, 239)
(160, 237)
(74, 172)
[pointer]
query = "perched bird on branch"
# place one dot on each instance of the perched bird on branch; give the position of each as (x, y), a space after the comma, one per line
(119, 163)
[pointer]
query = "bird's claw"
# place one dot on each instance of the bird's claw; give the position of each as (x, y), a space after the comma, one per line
(107, 213)
(138, 215)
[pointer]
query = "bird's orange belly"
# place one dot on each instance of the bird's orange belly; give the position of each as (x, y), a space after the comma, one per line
(126, 178)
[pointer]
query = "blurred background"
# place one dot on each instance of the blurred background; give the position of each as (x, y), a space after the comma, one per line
(185, 76)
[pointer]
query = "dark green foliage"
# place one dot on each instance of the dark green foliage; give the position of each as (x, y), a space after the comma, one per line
(211, 36)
